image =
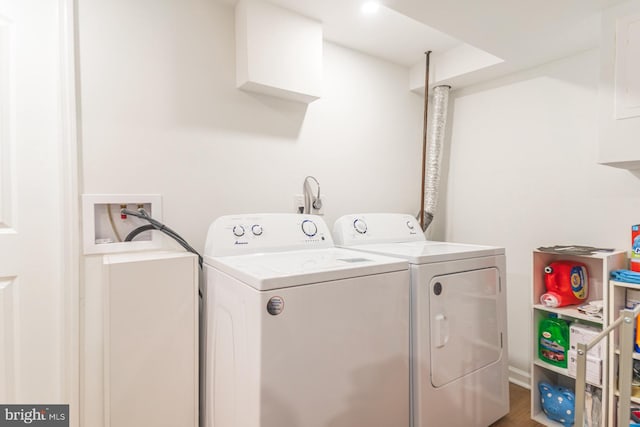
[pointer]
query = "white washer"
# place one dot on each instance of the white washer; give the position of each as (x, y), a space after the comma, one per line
(300, 333)
(459, 330)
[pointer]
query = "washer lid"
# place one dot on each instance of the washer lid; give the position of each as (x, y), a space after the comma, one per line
(274, 270)
(429, 252)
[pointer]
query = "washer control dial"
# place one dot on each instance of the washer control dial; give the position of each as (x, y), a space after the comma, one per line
(256, 230)
(238, 230)
(360, 226)
(410, 225)
(309, 228)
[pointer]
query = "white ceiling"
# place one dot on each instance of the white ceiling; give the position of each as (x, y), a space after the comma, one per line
(521, 33)
(526, 32)
(387, 34)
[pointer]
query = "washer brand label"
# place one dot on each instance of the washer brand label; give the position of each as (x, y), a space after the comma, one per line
(34, 415)
(275, 306)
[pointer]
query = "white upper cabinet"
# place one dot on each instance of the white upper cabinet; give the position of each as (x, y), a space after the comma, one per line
(278, 52)
(619, 104)
(627, 67)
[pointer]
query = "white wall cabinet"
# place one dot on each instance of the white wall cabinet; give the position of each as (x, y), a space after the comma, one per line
(619, 92)
(599, 266)
(150, 339)
(627, 67)
(140, 340)
(278, 52)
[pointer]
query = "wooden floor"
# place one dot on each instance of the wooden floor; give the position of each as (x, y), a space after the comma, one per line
(520, 409)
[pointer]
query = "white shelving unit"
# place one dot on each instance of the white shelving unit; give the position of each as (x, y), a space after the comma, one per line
(599, 266)
(617, 300)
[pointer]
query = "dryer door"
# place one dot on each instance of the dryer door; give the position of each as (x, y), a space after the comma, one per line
(465, 333)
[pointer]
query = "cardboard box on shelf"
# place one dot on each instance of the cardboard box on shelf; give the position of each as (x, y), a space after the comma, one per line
(632, 298)
(594, 367)
(583, 334)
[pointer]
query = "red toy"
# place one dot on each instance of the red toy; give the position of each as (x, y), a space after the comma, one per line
(566, 283)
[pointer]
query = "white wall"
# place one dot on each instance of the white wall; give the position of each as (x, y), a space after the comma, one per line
(523, 174)
(161, 114)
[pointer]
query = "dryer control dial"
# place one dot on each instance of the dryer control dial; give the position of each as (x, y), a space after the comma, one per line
(360, 226)
(309, 228)
(410, 225)
(256, 230)
(238, 230)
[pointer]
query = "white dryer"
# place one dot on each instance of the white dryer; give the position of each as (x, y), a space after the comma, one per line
(299, 333)
(459, 330)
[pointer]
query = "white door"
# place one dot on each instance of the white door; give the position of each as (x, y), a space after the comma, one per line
(466, 333)
(38, 349)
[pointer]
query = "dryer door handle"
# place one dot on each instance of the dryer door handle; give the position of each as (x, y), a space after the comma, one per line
(441, 328)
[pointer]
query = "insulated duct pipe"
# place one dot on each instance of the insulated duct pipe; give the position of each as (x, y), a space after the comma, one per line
(421, 215)
(434, 153)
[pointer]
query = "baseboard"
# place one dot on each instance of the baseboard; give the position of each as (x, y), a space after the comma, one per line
(520, 377)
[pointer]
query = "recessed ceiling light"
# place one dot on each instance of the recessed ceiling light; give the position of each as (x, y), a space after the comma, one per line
(370, 7)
